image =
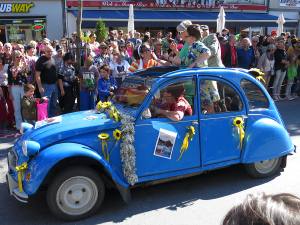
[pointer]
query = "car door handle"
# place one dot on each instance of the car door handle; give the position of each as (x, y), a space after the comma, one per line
(195, 123)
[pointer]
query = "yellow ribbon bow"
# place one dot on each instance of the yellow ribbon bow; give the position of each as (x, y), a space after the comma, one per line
(104, 137)
(20, 169)
(238, 122)
(188, 137)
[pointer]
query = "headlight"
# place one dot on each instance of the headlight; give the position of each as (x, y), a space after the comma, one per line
(25, 127)
(30, 148)
(24, 148)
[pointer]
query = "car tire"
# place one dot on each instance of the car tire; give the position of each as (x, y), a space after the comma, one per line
(76, 193)
(264, 168)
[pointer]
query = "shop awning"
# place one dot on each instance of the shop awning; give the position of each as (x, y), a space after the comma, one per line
(175, 16)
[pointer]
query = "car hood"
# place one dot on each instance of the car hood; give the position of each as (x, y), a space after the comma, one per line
(68, 125)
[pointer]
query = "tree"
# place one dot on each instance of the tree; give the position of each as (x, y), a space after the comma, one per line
(78, 26)
(101, 31)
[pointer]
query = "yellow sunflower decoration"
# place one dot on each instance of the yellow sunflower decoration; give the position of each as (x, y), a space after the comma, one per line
(238, 122)
(258, 74)
(117, 134)
(104, 137)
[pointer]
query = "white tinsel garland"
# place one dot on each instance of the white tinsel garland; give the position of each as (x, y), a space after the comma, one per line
(127, 146)
(127, 149)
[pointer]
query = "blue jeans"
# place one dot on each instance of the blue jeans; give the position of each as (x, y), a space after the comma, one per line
(50, 91)
(17, 91)
(87, 100)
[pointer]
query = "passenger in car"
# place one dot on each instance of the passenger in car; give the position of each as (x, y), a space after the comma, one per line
(173, 104)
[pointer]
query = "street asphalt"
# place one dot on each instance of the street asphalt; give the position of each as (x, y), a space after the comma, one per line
(202, 200)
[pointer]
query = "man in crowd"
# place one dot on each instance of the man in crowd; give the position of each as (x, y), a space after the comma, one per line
(46, 79)
(211, 41)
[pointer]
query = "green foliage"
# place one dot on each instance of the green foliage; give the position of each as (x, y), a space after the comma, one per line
(101, 31)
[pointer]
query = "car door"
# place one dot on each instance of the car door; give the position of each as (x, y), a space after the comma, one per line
(220, 105)
(158, 140)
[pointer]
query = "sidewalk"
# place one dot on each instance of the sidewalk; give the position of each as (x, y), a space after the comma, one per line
(7, 138)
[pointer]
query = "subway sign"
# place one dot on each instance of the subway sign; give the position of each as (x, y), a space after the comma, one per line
(15, 7)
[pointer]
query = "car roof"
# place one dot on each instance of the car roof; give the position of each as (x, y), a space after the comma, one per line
(175, 71)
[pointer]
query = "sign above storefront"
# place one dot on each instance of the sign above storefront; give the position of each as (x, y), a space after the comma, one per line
(187, 4)
(290, 3)
(15, 7)
(38, 27)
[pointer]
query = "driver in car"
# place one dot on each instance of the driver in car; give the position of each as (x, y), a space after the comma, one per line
(173, 105)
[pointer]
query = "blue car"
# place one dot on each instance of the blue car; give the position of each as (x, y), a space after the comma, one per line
(162, 123)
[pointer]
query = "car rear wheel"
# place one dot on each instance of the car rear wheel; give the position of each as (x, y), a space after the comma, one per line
(75, 193)
(264, 168)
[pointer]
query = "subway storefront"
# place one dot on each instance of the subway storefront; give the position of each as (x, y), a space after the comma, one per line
(29, 20)
(22, 29)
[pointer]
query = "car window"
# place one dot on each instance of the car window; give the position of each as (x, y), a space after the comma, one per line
(218, 97)
(174, 101)
(255, 95)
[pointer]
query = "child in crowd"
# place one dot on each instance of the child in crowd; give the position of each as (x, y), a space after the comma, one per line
(88, 76)
(28, 104)
(106, 84)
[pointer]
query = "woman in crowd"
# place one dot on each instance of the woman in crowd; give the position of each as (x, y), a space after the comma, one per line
(31, 59)
(257, 52)
(143, 58)
(266, 63)
(7, 53)
(94, 45)
(229, 53)
(281, 64)
(119, 67)
(245, 54)
(6, 106)
(17, 77)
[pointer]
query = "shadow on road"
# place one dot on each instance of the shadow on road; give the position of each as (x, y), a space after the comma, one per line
(173, 195)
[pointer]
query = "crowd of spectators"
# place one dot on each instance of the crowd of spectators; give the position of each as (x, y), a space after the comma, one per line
(47, 67)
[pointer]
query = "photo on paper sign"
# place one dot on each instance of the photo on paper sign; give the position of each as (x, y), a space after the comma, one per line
(165, 143)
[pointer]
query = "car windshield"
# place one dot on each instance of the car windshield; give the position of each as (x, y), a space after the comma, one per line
(132, 92)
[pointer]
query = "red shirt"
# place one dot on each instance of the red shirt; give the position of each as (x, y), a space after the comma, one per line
(233, 56)
(181, 105)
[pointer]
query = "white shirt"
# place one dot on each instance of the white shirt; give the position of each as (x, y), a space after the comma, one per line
(117, 69)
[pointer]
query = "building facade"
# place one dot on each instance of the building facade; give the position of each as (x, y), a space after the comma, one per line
(23, 21)
(290, 9)
(167, 14)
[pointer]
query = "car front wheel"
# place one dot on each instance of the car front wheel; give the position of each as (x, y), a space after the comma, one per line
(75, 193)
(265, 168)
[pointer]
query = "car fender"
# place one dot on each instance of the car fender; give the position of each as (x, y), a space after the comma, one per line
(40, 166)
(265, 139)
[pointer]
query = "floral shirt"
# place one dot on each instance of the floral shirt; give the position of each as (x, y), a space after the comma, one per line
(67, 74)
(209, 92)
(16, 75)
(101, 60)
(195, 50)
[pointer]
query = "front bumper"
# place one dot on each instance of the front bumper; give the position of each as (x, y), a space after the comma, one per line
(14, 190)
(11, 182)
